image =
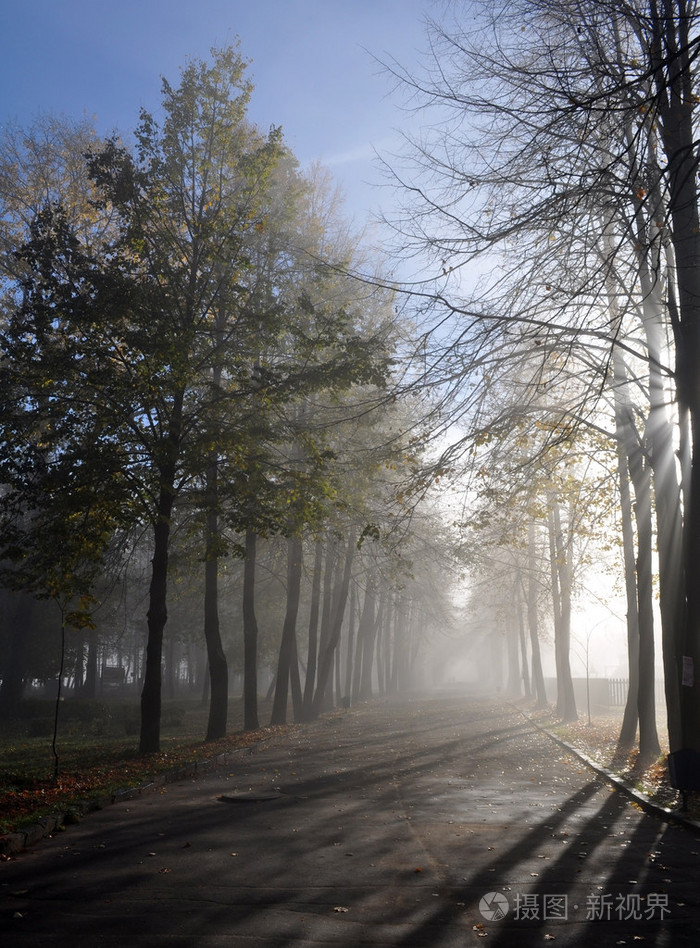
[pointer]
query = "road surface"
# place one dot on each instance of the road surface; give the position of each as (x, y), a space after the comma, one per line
(429, 822)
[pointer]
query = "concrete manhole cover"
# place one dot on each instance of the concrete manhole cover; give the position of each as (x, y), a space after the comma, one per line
(250, 796)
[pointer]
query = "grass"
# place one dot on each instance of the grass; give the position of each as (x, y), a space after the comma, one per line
(97, 746)
(598, 738)
(98, 755)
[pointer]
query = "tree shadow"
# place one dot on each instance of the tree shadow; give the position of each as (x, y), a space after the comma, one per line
(333, 857)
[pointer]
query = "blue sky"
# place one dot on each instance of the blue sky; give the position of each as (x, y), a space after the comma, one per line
(312, 67)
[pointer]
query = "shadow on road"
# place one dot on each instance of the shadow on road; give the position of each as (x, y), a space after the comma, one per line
(387, 826)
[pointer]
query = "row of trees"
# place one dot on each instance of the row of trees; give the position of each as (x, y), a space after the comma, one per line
(560, 165)
(189, 360)
(188, 367)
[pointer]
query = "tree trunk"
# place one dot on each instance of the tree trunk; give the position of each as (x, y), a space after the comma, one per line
(659, 442)
(533, 619)
(628, 730)
(366, 633)
(216, 657)
(513, 687)
(288, 649)
(338, 668)
(357, 662)
(312, 651)
(151, 697)
(351, 649)
(384, 646)
(523, 642)
(295, 682)
(340, 599)
(17, 608)
(250, 637)
(649, 747)
(396, 646)
(326, 702)
(672, 56)
(91, 666)
(561, 599)
(169, 669)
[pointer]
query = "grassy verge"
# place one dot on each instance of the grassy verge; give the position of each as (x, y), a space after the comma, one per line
(98, 757)
(598, 739)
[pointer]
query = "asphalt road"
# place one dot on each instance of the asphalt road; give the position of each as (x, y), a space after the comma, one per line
(414, 822)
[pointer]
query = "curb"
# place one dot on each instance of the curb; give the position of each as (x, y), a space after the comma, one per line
(641, 799)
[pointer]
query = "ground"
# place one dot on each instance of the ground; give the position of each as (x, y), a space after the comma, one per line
(430, 821)
(598, 738)
(93, 769)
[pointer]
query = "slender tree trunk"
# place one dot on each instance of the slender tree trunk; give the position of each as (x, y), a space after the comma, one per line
(312, 652)
(357, 662)
(659, 443)
(402, 642)
(523, 641)
(646, 704)
(561, 598)
(338, 669)
(366, 632)
(417, 624)
(556, 611)
(151, 694)
(295, 682)
(630, 718)
(169, 669)
(91, 666)
(218, 666)
(533, 620)
(326, 702)
(250, 637)
(514, 679)
(395, 647)
(18, 609)
(380, 649)
(288, 650)
(78, 663)
(385, 650)
(340, 599)
(347, 694)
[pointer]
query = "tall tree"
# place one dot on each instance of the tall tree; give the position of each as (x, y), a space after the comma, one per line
(172, 258)
(579, 112)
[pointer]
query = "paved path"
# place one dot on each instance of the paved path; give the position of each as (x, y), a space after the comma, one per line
(392, 824)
